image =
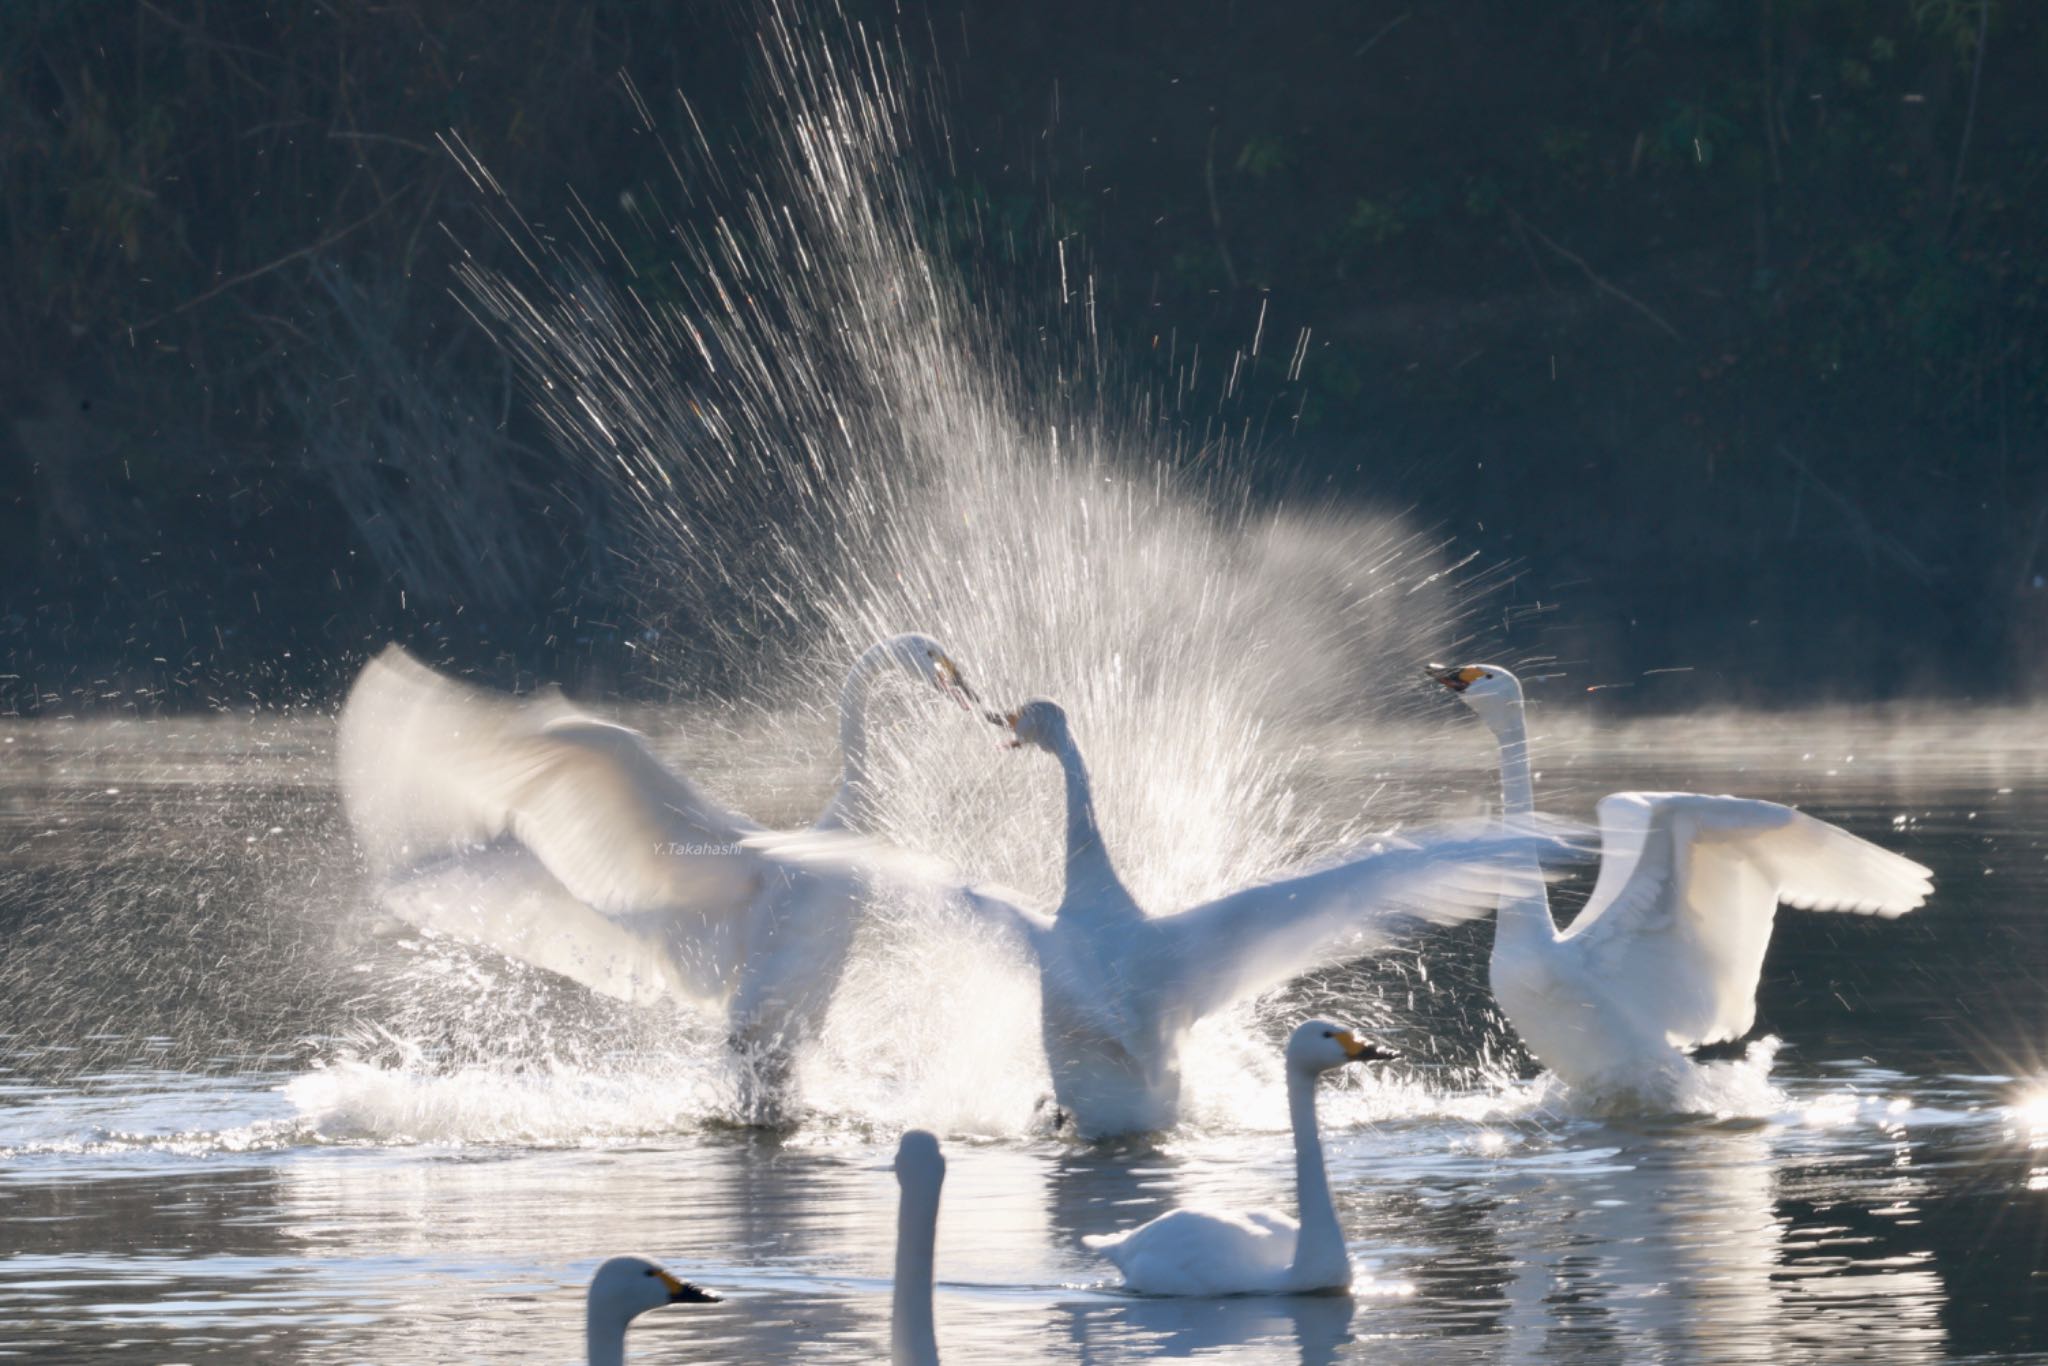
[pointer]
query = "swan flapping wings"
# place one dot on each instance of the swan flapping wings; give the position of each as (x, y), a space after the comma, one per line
(1689, 888)
(431, 766)
(561, 840)
(1255, 939)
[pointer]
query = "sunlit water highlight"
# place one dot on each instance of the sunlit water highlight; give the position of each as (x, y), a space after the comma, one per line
(243, 1114)
(832, 424)
(287, 1132)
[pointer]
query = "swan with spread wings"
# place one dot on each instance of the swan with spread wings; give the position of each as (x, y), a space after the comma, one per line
(562, 840)
(1667, 953)
(1120, 988)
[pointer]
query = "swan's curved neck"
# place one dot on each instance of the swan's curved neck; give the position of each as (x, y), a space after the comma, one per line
(604, 1342)
(1088, 867)
(913, 1339)
(1517, 786)
(1320, 1258)
(1529, 913)
(852, 805)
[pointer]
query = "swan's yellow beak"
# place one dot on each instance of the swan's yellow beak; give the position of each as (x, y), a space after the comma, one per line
(1008, 720)
(682, 1292)
(1358, 1050)
(1457, 680)
(953, 682)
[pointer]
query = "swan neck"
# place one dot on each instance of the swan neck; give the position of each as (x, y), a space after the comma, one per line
(1088, 862)
(1320, 1258)
(852, 804)
(604, 1342)
(1517, 784)
(1526, 916)
(913, 1338)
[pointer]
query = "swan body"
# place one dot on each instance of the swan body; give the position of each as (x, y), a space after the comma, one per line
(920, 1173)
(1120, 989)
(1260, 1252)
(561, 839)
(1667, 953)
(623, 1289)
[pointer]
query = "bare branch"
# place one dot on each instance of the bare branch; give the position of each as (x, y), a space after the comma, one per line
(246, 276)
(1598, 280)
(1216, 212)
(1955, 188)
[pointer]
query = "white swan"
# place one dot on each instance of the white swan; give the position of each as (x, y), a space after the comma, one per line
(1259, 1252)
(1119, 989)
(623, 1289)
(561, 840)
(920, 658)
(920, 1172)
(1668, 950)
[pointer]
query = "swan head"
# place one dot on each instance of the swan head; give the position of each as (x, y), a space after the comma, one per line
(1319, 1046)
(1038, 722)
(626, 1287)
(1487, 689)
(925, 659)
(919, 1163)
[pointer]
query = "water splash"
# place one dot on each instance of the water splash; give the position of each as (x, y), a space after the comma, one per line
(831, 435)
(353, 1100)
(832, 425)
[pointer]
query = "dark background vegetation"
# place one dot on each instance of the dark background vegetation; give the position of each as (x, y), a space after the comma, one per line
(1725, 320)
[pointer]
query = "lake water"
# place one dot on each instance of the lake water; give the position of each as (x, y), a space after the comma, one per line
(242, 1119)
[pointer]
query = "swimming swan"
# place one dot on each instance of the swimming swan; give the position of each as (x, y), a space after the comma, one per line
(623, 1289)
(920, 1172)
(1668, 950)
(626, 1287)
(1119, 989)
(1259, 1252)
(561, 840)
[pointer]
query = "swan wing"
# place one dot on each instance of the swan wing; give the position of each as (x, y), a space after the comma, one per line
(1624, 828)
(429, 764)
(1683, 928)
(1003, 911)
(885, 869)
(504, 899)
(1200, 1252)
(1255, 939)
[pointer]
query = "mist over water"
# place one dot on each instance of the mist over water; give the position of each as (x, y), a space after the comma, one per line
(363, 1141)
(834, 428)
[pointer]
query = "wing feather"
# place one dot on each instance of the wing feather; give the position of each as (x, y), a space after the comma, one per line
(1203, 1252)
(1255, 939)
(429, 764)
(1678, 930)
(503, 899)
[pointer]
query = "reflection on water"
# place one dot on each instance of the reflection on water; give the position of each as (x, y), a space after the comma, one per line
(1554, 1241)
(174, 1182)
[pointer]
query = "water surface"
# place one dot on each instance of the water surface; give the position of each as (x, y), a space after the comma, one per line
(242, 1119)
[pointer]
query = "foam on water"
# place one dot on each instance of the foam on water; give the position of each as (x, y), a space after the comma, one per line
(350, 1100)
(1723, 1089)
(934, 1027)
